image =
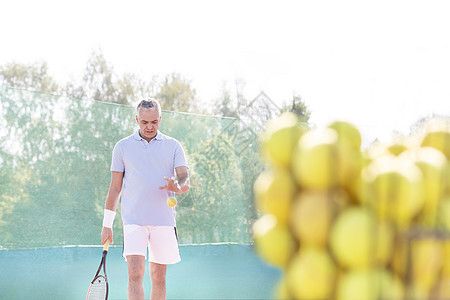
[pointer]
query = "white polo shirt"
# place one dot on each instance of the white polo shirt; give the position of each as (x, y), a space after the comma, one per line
(145, 165)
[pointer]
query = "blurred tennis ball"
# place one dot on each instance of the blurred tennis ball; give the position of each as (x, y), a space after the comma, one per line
(444, 214)
(431, 163)
(446, 179)
(314, 161)
(446, 265)
(274, 191)
(384, 243)
(321, 162)
(273, 241)
(352, 238)
(311, 274)
(347, 133)
(282, 290)
(427, 260)
(312, 215)
(393, 188)
(396, 148)
(442, 290)
(426, 257)
(439, 139)
(171, 201)
(280, 139)
(369, 284)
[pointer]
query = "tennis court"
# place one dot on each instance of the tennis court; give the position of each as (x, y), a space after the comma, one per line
(223, 271)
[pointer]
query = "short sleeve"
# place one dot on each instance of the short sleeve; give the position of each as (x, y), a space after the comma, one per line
(117, 164)
(179, 157)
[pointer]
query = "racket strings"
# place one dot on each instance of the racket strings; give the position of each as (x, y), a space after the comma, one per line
(98, 289)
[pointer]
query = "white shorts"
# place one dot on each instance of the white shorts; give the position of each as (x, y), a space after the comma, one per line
(161, 241)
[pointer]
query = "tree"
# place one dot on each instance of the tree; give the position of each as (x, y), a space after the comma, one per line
(223, 106)
(176, 94)
(298, 107)
(101, 83)
(34, 76)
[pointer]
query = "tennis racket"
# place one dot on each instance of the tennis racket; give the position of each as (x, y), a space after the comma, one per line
(98, 290)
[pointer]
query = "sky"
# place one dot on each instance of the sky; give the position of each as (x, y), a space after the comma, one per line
(381, 65)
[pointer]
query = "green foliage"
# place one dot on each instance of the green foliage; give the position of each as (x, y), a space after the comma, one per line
(101, 83)
(176, 94)
(224, 105)
(298, 107)
(34, 76)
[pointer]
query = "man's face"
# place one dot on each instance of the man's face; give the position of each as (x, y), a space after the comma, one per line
(148, 121)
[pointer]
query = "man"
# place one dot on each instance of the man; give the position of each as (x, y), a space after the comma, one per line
(144, 164)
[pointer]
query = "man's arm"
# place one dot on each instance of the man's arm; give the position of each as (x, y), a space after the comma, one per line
(183, 179)
(112, 200)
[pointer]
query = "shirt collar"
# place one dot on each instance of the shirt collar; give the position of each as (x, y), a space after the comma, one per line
(159, 136)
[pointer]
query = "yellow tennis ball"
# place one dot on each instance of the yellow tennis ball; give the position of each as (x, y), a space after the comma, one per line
(171, 201)
(393, 188)
(427, 260)
(312, 215)
(439, 140)
(280, 139)
(311, 274)
(369, 284)
(315, 160)
(352, 238)
(431, 163)
(322, 162)
(274, 191)
(273, 241)
(347, 133)
(397, 148)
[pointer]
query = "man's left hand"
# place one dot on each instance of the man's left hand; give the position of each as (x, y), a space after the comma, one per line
(172, 185)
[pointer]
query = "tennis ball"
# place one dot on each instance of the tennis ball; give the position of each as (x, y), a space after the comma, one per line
(431, 163)
(273, 241)
(281, 291)
(427, 260)
(321, 162)
(311, 274)
(171, 201)
(274, 191)
(280, 138)
(347, 133)
(439, 139)
(369, 284)
(384, 243)
(311, 217)
(352, 238)
(396, 148)
(446, 264)
(314, 161)
(393, 188)
(442, 290)
(444, 214)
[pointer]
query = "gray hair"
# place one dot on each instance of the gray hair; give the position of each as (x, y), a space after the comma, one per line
(149, 104)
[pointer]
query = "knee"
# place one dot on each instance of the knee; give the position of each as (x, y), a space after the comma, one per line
(158, 277)
(136, 273)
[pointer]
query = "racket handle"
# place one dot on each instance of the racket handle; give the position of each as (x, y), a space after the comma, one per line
(106, 245)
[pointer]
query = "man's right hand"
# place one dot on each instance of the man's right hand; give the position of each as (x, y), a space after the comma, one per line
(107, 234)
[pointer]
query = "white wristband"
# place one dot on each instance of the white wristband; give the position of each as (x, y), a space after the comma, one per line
(108, 218)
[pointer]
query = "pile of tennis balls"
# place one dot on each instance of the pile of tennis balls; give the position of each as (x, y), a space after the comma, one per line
(348, 224)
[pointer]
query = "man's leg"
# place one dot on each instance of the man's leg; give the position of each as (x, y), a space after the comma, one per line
(158, 276)
(136, 271)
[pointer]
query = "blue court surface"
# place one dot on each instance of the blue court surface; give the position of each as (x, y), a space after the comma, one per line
(213, 271)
